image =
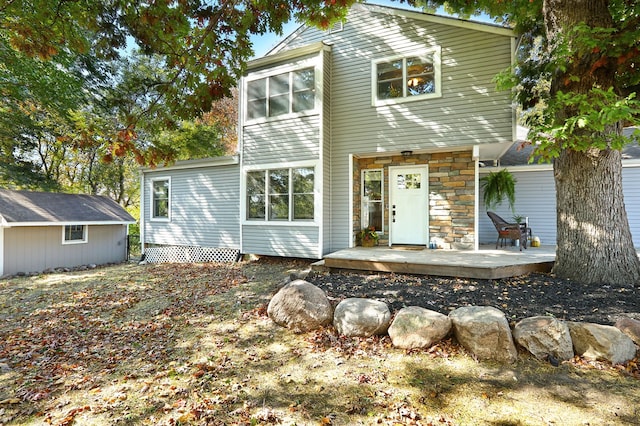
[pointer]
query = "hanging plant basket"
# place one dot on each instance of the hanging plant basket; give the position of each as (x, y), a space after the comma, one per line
(497, 187)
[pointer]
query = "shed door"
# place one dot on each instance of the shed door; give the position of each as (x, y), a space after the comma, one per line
(408, 189)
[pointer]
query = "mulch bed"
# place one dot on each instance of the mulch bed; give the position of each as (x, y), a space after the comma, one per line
(518, 298)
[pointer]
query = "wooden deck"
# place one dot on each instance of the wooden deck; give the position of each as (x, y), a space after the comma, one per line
(486, 263)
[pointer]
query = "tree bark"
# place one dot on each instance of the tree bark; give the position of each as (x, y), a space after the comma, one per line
(594, 238)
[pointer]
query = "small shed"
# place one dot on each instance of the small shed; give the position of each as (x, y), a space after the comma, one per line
(43, 230)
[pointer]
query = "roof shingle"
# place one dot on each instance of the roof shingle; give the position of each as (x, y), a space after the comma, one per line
(26, 207)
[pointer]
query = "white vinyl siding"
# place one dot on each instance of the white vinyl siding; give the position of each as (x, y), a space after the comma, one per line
(289, 140)
(271, 240)
(204, 208)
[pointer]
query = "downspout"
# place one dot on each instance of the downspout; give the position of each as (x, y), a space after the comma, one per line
(1, 250)
(476, 201)
(241, 179)
(142, 221)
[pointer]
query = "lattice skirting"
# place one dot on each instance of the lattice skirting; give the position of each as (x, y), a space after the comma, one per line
(189, 254)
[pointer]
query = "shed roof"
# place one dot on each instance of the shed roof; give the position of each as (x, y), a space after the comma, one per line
(42, 208)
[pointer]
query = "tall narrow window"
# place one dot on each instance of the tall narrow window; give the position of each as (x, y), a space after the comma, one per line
(303, 90)
(279, 95)
(255, 195)
(160, 198)
(257, 98)
(372, 197)
(303, 199)
(279, 194)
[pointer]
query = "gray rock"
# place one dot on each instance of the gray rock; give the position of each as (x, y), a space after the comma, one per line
(630, 327)
(544, 336)
(601, 342)
(484, 331)
(300, 306)
(361, 317)
(416, 327)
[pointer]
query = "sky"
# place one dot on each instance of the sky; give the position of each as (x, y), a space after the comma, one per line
(262, 44)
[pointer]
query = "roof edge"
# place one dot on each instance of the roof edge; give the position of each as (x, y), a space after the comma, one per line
(227, 160)
(65, 223)
(287, 55)
(446, 20)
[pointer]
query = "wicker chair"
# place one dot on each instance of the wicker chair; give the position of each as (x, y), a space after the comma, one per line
(509, 231)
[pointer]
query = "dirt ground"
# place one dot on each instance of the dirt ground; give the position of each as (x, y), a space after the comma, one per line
(192, 345)
(518, 298)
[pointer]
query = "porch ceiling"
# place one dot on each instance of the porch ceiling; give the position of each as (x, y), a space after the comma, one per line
(492, 151)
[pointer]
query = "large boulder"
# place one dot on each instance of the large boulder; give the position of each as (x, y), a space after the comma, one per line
(300, 306)
(601, 342)
(484, 331)
(630, 327)
(416, 327)
(544, 336)
(361, 317)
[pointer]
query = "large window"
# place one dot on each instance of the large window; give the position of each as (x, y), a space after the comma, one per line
(372, 196)
(281, 194)
(74, 234)
(160, 198)
(409, 78)
(289, 92)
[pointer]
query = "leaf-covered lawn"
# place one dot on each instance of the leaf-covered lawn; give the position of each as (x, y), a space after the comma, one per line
(191, 344)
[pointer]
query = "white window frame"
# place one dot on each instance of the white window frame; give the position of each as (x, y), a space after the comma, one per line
(85, 234)
(317, 76)
(363, 172)
(279, 222)
(435, 52)
(153, 218)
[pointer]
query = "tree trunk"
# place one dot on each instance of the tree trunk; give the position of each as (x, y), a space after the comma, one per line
(594, 238)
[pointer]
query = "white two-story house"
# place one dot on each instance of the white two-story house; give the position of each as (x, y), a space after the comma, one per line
(379, 121)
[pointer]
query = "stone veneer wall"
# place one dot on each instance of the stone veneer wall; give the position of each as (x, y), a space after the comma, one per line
(451, 194)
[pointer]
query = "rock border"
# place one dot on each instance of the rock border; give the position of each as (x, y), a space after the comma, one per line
(482, 330)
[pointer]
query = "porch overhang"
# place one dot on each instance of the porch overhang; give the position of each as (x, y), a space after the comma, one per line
(491, 151)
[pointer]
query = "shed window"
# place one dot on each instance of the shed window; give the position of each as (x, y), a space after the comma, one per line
(160, 198)
(73, 234)
(401, 79)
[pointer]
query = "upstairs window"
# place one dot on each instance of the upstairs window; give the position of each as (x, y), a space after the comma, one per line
(289, 92)
(410, 78)
(74, 234)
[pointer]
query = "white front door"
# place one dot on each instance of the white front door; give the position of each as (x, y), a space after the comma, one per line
(409, 205)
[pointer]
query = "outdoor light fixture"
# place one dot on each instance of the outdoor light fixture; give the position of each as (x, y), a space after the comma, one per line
(406, 153)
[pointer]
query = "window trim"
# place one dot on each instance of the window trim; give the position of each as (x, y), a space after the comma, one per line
(290, 222)
(85, 234)
(153, 218)
(435, 51)
(363, 172)
(290, 71)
